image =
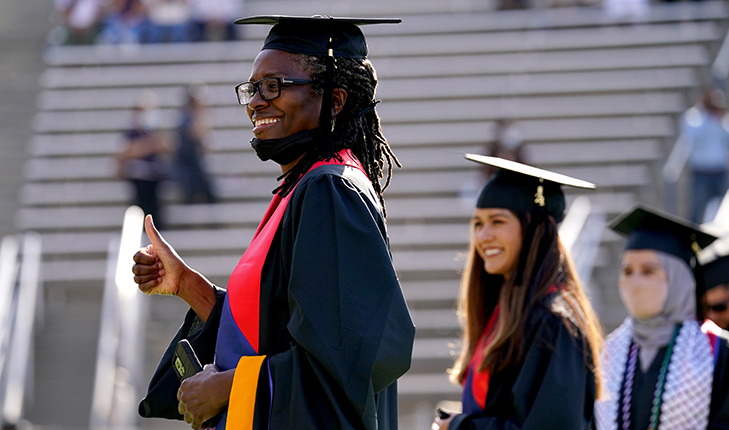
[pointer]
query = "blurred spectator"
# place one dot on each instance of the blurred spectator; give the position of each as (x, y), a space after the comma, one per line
(192, 143)
(141, 161)
(507, 143)
(716, 298)
(705, 132)
(124, 22)
(213, 19)
(81, 19)
(168, 21)
(513, 4)
(633, 11)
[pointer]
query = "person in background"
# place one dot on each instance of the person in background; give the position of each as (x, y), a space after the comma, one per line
(141, 161)
(211, 19)
(508, 143)
(81, 20)
(168, 21)
(313, 330)
(192, 142)
(124, 22)
(531, 337)
(661, 370)
(705, 130)
(716, 297)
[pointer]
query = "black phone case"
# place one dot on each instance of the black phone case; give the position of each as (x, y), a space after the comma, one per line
(184, 361)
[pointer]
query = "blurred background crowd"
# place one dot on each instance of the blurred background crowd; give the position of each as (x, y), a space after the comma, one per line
(144, 21)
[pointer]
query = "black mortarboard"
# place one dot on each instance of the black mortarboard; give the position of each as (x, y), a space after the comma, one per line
(716, 272)
(650, 228)
(310, 35)
(319, 35)
(519, 187)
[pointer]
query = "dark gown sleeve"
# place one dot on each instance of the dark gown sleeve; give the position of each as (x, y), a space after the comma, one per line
(719, 414)
(161, 399)
(553, 388)
(351, 329)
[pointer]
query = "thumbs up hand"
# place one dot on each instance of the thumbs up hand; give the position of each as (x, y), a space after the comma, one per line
(158, 269)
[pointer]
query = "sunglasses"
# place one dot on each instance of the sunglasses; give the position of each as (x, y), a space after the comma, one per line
(719, 307)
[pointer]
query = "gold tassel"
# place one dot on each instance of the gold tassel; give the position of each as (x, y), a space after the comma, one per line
(539, 197)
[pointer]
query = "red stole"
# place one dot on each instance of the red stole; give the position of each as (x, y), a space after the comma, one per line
(244, 285)
(480, 378)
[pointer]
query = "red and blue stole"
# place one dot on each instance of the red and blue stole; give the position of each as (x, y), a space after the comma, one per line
(238, 344)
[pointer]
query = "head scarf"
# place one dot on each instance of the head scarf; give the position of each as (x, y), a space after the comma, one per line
(651, 334)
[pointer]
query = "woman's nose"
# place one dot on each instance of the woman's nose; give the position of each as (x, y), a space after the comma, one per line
(484, 234)
(257, 101)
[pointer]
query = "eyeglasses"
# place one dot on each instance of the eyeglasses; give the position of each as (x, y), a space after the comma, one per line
(269, 88)
(719, 307)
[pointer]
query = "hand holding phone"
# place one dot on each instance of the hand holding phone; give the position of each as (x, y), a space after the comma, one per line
(184, 361)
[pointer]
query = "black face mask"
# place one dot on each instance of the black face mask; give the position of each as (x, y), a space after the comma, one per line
(285, 150)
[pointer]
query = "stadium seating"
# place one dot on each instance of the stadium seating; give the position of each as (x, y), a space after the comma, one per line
(595, 97)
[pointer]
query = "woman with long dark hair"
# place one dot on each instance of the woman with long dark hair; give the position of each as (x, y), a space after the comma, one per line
(531, 337)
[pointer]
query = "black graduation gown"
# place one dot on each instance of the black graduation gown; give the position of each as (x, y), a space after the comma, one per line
(333, 321)
(644, 387)
(551, 388)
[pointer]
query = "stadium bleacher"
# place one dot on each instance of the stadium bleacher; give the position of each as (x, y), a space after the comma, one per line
(596, 98)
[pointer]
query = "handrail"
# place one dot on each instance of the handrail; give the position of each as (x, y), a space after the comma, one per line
(574, 221)
(719, 227)
(720, 67)
(580, 233)
(21, 345)
(119, 352)
(8, 276)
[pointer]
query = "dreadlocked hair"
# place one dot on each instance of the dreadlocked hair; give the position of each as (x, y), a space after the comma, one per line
(360, 133)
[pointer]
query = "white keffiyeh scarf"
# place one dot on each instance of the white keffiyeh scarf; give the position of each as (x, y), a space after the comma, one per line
(687, 395)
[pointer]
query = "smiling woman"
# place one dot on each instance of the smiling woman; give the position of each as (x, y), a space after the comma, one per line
(313, 331)
(531, 338)
(497, 235)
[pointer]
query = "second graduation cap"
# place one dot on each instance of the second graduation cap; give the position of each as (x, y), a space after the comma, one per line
(519, 187)
(650, 228)
(716, 272)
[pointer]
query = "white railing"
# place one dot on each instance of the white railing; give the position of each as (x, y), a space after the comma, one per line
(19, 293)
(581, 233)
(121, 340)
(718, 227)
(720, 67)
(18, 371)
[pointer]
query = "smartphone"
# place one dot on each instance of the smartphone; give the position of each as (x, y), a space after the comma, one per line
(184, 360)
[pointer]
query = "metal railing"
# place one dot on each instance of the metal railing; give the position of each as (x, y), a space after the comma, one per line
(19, 293)
(719, 227)
(720, 67)
(581, 233)
(120, 350)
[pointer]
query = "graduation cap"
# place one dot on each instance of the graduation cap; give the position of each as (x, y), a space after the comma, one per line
(319, 35)
(523, 188)
(650, 228)
(716, 272)
(311, 35)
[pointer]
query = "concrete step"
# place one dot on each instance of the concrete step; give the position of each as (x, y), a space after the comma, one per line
(95, 174)
(411, 111)
(444, 36)
(400, 210)
(390, 68)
